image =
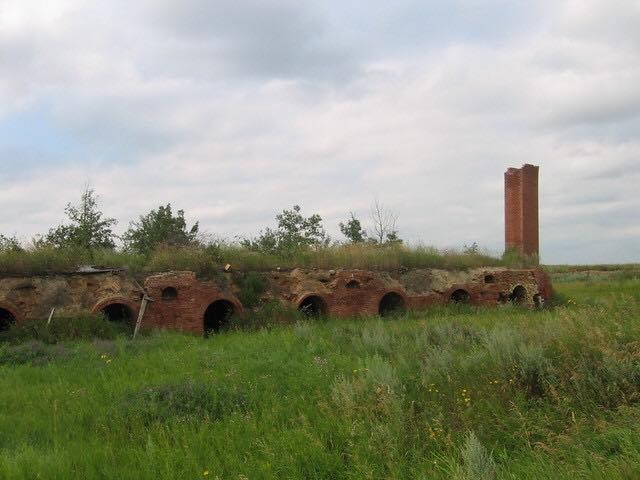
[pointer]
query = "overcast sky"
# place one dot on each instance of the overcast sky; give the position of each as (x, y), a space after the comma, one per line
(235, 109)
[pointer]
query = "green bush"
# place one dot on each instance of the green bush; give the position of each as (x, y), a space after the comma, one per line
(252, 286)
(186, 401)
(478, 462)
(33, 352)
(64, 328)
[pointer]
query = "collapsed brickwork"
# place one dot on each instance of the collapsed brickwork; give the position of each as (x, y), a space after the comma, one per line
(183, 301)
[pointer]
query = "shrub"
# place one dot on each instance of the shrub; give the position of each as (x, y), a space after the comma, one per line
(186, 401)
(64, 328)
(33, 352)
(478, 462)
(252, 286)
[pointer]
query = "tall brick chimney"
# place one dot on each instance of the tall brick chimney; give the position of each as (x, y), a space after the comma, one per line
(521, 209)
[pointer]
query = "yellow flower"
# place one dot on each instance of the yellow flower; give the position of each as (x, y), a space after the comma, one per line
(205, 473)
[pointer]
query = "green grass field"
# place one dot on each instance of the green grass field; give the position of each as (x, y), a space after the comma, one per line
(450, 393)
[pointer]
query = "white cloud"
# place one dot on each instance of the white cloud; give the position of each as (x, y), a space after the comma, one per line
(234, 111)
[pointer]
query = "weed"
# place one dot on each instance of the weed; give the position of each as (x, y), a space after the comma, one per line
(64, 328)
(33, 352)
(185, 401)
(252, 286)
(478, 462)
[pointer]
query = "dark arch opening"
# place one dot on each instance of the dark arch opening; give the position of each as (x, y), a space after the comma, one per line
(353, 284)
(489, 279)
(391, 303)
(217, 316)
(169, 293)
(460, 296)
(519, 294)
(313, 306)
(6, 319)
(118, 312)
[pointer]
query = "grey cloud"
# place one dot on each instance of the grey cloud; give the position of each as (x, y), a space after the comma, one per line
(234, 111)
(273, 38)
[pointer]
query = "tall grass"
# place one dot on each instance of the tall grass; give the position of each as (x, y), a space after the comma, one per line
(211, 259)
(468, 394)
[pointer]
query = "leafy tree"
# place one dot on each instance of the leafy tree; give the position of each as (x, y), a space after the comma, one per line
(353, 229)
(294, 232)
(87, 228)
(159, 227)
(9, 244)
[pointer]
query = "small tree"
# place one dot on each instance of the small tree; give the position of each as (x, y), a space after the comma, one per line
(87, 228)
(159, 227)
(353, 229)
(9, 244)
(294, 231)
(384, 224)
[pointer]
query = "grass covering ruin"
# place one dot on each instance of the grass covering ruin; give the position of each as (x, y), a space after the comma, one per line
(212, 258)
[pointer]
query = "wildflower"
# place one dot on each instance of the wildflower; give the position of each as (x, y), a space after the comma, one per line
(205, 473)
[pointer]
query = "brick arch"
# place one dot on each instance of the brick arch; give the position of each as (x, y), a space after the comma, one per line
(214, 323)
(12, 309)
(392, 293)
(323, 296)
(325, 308)
(447, 295)
(239, 309)
(105, 302)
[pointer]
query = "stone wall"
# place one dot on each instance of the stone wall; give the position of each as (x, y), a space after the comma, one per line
(182, 301)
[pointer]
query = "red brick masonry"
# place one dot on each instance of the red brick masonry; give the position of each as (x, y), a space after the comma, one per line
(181, 299)
(521, 209)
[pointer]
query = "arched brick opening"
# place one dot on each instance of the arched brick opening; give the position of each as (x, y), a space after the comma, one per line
(519, 295)
(391, 303)
(460, 296)
(489, 279)
(7, 319)
(169, 293)
(118, 312)
(117, 309)
(351, 284)
(313, 306)
(217, 316)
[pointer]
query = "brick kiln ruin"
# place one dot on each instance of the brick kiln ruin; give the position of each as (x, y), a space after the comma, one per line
(183, 301)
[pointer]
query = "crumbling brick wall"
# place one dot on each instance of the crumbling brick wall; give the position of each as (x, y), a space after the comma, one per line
(181, 300)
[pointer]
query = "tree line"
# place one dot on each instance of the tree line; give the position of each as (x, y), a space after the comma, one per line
(88, 228)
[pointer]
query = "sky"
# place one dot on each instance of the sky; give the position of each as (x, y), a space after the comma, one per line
(234, 110)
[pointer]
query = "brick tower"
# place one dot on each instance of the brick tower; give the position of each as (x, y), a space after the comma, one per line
(521, 209)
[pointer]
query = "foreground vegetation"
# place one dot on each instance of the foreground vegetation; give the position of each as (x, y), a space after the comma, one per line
(449, 393)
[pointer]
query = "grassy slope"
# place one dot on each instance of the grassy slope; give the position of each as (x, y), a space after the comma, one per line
(552, 394)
